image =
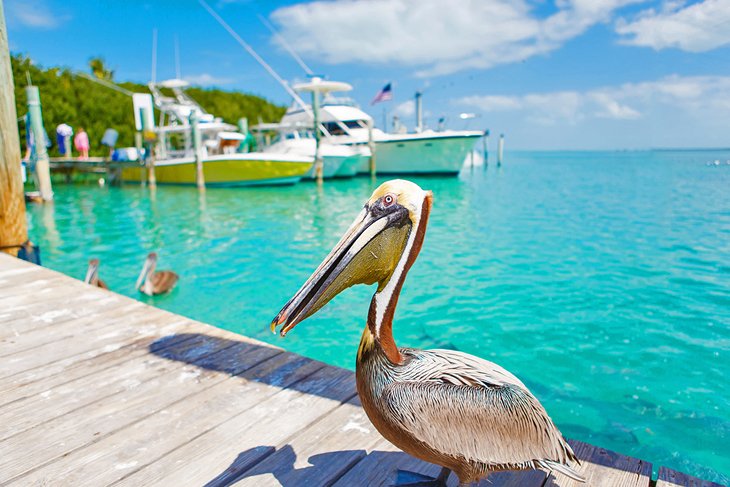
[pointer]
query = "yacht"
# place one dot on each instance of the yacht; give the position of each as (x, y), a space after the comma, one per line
(420, 152)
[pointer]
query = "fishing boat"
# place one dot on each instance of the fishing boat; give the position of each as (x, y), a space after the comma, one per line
(223, 164)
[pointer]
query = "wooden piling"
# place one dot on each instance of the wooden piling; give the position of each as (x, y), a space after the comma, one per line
(197, 148)
(371, 145)
(42, 170)
(149, 153)
(318, 163)
(13, 227)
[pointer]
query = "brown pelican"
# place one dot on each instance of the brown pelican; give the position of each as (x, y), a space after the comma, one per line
(150, 282)
(92, 275)
(464, 413)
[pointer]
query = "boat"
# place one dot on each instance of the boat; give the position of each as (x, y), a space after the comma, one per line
(420, 152)
(338, 160)
(223, 164)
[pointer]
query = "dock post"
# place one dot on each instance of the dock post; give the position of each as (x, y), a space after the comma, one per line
(485, 152)
(13, 226)
(197, 148)
(318, 163)
(243, 128)
(500, 150)
(371, 145)
(42, 169)
(149, 154)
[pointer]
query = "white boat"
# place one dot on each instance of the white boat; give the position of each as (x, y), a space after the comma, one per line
(338, 160)
(424, 152)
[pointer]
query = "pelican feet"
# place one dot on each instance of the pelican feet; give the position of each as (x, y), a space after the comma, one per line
(405, 478)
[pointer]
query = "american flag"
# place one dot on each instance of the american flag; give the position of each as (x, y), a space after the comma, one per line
(383, 95)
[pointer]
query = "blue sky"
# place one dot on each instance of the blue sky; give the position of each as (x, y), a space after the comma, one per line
(568, 74)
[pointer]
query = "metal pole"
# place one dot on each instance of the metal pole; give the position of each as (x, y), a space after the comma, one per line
(371, 145)
(13, 226)
(42, 170)
(318, 163)
(419, 112)
(197, 148)
(500, 150)
(149, 155)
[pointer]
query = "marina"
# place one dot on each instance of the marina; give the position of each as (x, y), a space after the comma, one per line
(566, 314)
(101, 389)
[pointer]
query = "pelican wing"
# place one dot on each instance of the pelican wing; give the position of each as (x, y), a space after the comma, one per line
(467, 407)
(163, 281)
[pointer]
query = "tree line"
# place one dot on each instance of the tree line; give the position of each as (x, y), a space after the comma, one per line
(69, 98)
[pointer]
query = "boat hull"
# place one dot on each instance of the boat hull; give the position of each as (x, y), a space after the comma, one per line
(224, 171)
(349, 167)
(330, 166)
(426, 155)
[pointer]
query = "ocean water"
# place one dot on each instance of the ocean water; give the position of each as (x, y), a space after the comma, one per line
(601, 279)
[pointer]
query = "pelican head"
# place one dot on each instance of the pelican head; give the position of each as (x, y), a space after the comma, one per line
(92, 273)
(147, 269)
(379, 247)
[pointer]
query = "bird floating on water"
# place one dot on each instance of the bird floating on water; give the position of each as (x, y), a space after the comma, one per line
(446, 407)
(150, 282)
(92, 275)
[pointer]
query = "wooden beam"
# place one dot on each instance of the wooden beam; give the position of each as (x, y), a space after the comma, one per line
(13, 227)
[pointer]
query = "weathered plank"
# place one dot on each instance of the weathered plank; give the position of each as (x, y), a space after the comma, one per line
(317, 455)
(64, 329)
(139, 324)
(67, 304)
(672, 478)
(381, 465)
(72, 396)
(248, 437)
(603, 467)
(58, 437)
(130, 449)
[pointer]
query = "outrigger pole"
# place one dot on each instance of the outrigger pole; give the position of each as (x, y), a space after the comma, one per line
(258, 58)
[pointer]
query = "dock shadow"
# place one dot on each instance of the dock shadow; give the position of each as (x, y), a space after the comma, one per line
(241, 358)
(322, 469)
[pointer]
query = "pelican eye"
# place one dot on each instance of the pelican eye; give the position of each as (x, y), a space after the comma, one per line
(388, 200)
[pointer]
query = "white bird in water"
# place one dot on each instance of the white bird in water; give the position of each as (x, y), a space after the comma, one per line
(151, 282)
(446, 407)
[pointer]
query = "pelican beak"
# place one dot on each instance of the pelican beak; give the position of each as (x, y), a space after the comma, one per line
(93, 269)
(143, 274)
(367, 253)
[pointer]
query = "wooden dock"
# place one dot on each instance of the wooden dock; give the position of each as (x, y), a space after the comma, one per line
(99, 389)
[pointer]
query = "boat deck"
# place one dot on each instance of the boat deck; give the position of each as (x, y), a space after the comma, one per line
(100, 389)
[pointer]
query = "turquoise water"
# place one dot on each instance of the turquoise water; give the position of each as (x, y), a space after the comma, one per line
(600, 279)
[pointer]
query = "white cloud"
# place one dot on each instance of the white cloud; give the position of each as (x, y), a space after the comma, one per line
(35, 14)
(207, 79)
(697, 94)
(405, 109)
(437, 37)
(695, 28)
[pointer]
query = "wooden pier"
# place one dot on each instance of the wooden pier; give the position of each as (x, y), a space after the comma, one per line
(99, 389)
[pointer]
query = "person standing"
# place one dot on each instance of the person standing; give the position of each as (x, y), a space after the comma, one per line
(81, 142)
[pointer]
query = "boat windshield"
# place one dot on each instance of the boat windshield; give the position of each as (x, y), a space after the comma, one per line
(355, 124)
(331, 100)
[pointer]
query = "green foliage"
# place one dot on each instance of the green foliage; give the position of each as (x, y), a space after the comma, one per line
(72, 99)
